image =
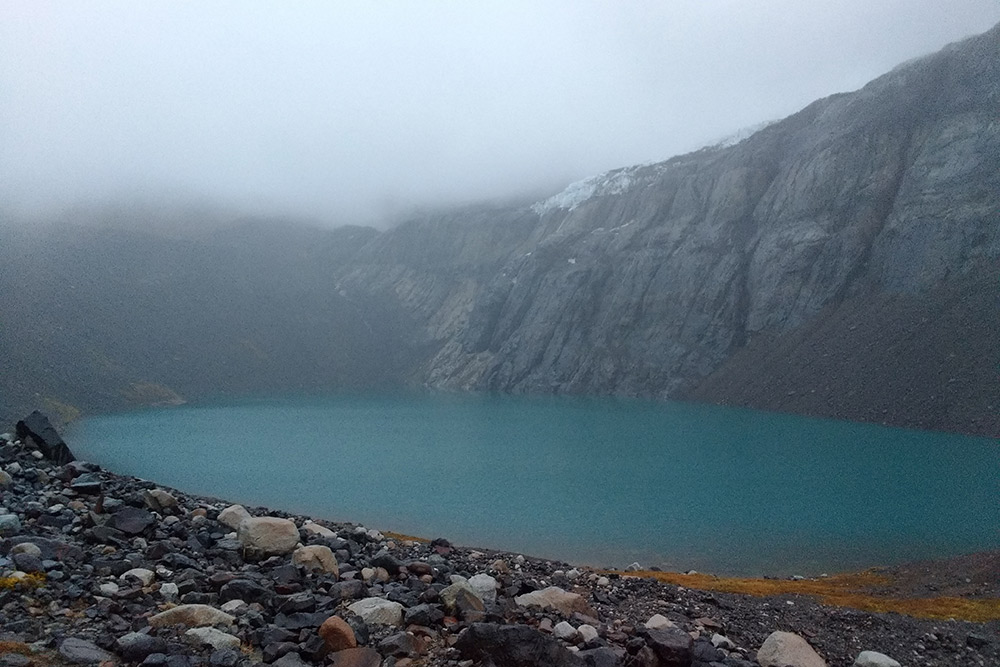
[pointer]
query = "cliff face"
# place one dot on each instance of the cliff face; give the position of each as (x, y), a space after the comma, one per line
(647, 280)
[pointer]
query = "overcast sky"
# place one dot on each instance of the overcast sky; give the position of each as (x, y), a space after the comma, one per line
(352, 111)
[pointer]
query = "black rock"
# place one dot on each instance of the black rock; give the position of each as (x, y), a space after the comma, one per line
(107, 535)
(603, 657)
(705, 652)
(977, 641)
(313, 648)
(275, 635)
(132, 520)
(386, 560)
(300, 620)
(423, 614)
(671, 645)
(28, 563)
(36, 429)
(155, 660)
(51, 549)
(272, 652)
(352, 589)
(137, 646)
(514, 646)
(226, 657)
(289, 604)
(246, 590)
(89, 484)
(361, 631)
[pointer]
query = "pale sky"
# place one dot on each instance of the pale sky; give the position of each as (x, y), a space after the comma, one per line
(354, 111)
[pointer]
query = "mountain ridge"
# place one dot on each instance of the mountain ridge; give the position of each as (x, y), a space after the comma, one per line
(724, 275)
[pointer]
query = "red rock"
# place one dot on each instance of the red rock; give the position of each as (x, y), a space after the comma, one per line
(337, 634)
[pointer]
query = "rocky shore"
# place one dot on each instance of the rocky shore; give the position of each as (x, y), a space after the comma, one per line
(98, 568)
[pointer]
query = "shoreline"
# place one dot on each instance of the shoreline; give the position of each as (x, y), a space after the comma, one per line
(91, 597)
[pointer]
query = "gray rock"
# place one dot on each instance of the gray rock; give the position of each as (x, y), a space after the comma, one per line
(83, 652)
(132, 520)
(378, 611)
(514, 645)
(787, 649)
(9, 525)
(874, 659)
(136, 646)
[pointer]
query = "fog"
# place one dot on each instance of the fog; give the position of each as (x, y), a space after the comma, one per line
(358, 111)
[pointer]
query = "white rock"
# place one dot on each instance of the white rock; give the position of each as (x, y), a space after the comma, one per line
(233, 516)
(169, 591)
(375, 535)
(316, 557)
(485, 587)
(378, 611)
(191, 615)
(144, 576)
(787, 649)
(565, 631)
(108, 589)
(723, 642)
(233, 606)
(554, 597)
(874, 659)
(587, 632)
(658, 622)
(316, 529)
(573, 574)
(211, 637)
(634, 567)
(267, 536)
(15, 468)
(603, 581)
(367, 573)
(26, 548)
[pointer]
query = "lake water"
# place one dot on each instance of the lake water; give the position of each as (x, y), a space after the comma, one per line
(594, 481)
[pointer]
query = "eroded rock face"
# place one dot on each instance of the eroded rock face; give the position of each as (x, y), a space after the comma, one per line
(646, 280)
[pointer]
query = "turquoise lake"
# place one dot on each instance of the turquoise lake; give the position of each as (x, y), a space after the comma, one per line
(595, 481)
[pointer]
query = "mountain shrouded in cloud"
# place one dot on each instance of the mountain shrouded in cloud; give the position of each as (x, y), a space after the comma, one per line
(358, 112)
(840, 262)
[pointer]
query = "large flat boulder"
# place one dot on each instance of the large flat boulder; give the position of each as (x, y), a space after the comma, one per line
(37, 430)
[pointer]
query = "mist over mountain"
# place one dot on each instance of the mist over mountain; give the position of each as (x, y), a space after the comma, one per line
(841, 262)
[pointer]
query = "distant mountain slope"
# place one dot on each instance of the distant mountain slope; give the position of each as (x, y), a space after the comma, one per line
(94, 319)
(841, 262)
(647, 280)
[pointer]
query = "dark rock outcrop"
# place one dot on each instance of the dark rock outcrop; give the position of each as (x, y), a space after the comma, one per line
(37, 429)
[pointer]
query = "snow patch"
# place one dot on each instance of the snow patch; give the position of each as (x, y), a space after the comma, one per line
(614, 182)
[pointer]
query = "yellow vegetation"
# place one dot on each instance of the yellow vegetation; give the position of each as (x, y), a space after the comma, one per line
(399, 537)
(14, 647)
(858, 591)
(32, 580)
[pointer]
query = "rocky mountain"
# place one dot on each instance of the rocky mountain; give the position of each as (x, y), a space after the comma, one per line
(841, 262)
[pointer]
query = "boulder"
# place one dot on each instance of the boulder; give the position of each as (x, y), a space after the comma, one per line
(874, 659)
(485, 587)
(316, 557)
(191, 615)
(658, 621)
(39, 432)
(565, 632)
(513, 646)
(9, 525)
(337, 635)
(5, 479)
(233, 516)
(83, 652)
(132, 520)
(787, 649)
(217, 639)
(672, 646)
(378, 611)
(135, 646)
(320, 531)
(159, 500)
(556, 598)
(266, 536)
